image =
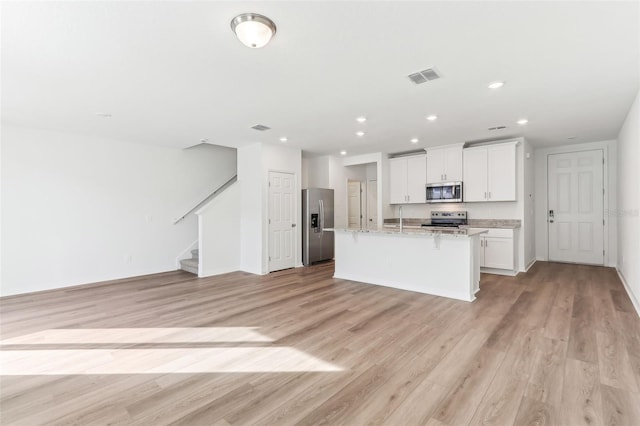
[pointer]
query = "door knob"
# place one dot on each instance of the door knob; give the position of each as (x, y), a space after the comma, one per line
(293, 225)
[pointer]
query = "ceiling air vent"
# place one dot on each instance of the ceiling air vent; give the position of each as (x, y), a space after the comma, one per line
(424, 76)
(260, 127)
(497, 128)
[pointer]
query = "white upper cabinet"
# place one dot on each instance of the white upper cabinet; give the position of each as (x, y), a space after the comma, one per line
(407, 179)
(444, 164)
(398, 180)
(416, 179)
(490, 173)
(474, 180)
(501, 179)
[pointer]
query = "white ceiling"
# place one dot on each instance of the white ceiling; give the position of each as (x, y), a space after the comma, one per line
(172, 73)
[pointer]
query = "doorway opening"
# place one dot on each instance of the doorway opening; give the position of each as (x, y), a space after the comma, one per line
(362, 196)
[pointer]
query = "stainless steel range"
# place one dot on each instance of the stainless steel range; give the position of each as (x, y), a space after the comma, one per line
(441, 219)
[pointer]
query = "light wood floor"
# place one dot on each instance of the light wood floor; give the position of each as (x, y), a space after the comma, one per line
(559, 345)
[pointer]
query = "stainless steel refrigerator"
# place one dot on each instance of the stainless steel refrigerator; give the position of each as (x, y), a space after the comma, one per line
(317, 216)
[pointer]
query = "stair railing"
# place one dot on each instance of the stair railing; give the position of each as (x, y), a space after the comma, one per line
(208, 198)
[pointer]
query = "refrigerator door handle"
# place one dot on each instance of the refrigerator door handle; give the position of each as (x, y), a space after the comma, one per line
(321, 224)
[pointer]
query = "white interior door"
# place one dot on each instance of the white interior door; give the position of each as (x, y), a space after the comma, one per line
(576, 207)
(354, 204)
(372, 204)
(282, 202)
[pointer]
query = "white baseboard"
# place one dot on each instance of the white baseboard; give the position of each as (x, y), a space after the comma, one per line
(494, 271)
(533, 261)
(635, 302)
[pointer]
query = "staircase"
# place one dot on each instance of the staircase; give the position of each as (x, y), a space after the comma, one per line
(190, 265)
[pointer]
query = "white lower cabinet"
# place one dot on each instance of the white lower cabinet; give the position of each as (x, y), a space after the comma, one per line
(497, 250)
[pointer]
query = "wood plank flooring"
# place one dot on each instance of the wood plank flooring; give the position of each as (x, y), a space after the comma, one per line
(559, 345)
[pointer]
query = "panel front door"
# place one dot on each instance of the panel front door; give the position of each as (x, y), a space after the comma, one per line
(576, 207)
(282, 234)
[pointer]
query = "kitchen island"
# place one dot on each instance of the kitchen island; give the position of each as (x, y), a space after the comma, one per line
(438, 262)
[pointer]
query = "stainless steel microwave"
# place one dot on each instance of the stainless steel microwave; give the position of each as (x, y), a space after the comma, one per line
(444, 192)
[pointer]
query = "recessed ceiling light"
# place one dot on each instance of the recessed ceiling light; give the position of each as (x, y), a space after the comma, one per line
(360, 133)
(496, 85)
(432, 117)
(522, 121)
(343, 152)
(204, 140)
(414, 140)
(572, 137)
(103, 114)
(361, 119)
(283, 139)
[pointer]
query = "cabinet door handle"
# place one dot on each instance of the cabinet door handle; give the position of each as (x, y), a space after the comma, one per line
(486, 243)
(481, 245)
(485, 195)
(445, 176)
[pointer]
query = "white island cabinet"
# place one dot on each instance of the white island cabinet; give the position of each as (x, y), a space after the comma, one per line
(430, 262)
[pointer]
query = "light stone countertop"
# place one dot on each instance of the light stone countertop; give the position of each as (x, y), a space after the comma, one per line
(472, 223)
(461, 232)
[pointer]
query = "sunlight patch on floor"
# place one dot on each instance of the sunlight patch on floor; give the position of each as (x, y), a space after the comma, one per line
(140, 335)
(161, 361)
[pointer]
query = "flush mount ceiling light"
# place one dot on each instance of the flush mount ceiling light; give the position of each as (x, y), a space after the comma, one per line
(360, 133)
(414, 140)
(522, 121)
(432, 117)
(496, 85)
(361, 119)
(253, 30)
(343, 152)
(283, 139)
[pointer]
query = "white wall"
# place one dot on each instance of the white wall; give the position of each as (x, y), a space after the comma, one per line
(251, 207)
(541, 224)
(628, 208)
(317, 171)
(80, 209)
(219, 233)
(254, 163)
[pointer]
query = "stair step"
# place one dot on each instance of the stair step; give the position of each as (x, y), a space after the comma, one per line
(195, 254)
(189, 265)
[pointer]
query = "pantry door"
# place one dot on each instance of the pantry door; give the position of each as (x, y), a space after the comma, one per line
(282, 236)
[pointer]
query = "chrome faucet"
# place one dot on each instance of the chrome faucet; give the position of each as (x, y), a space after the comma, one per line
(400, 208)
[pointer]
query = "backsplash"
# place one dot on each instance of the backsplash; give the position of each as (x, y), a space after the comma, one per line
(501, 210)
